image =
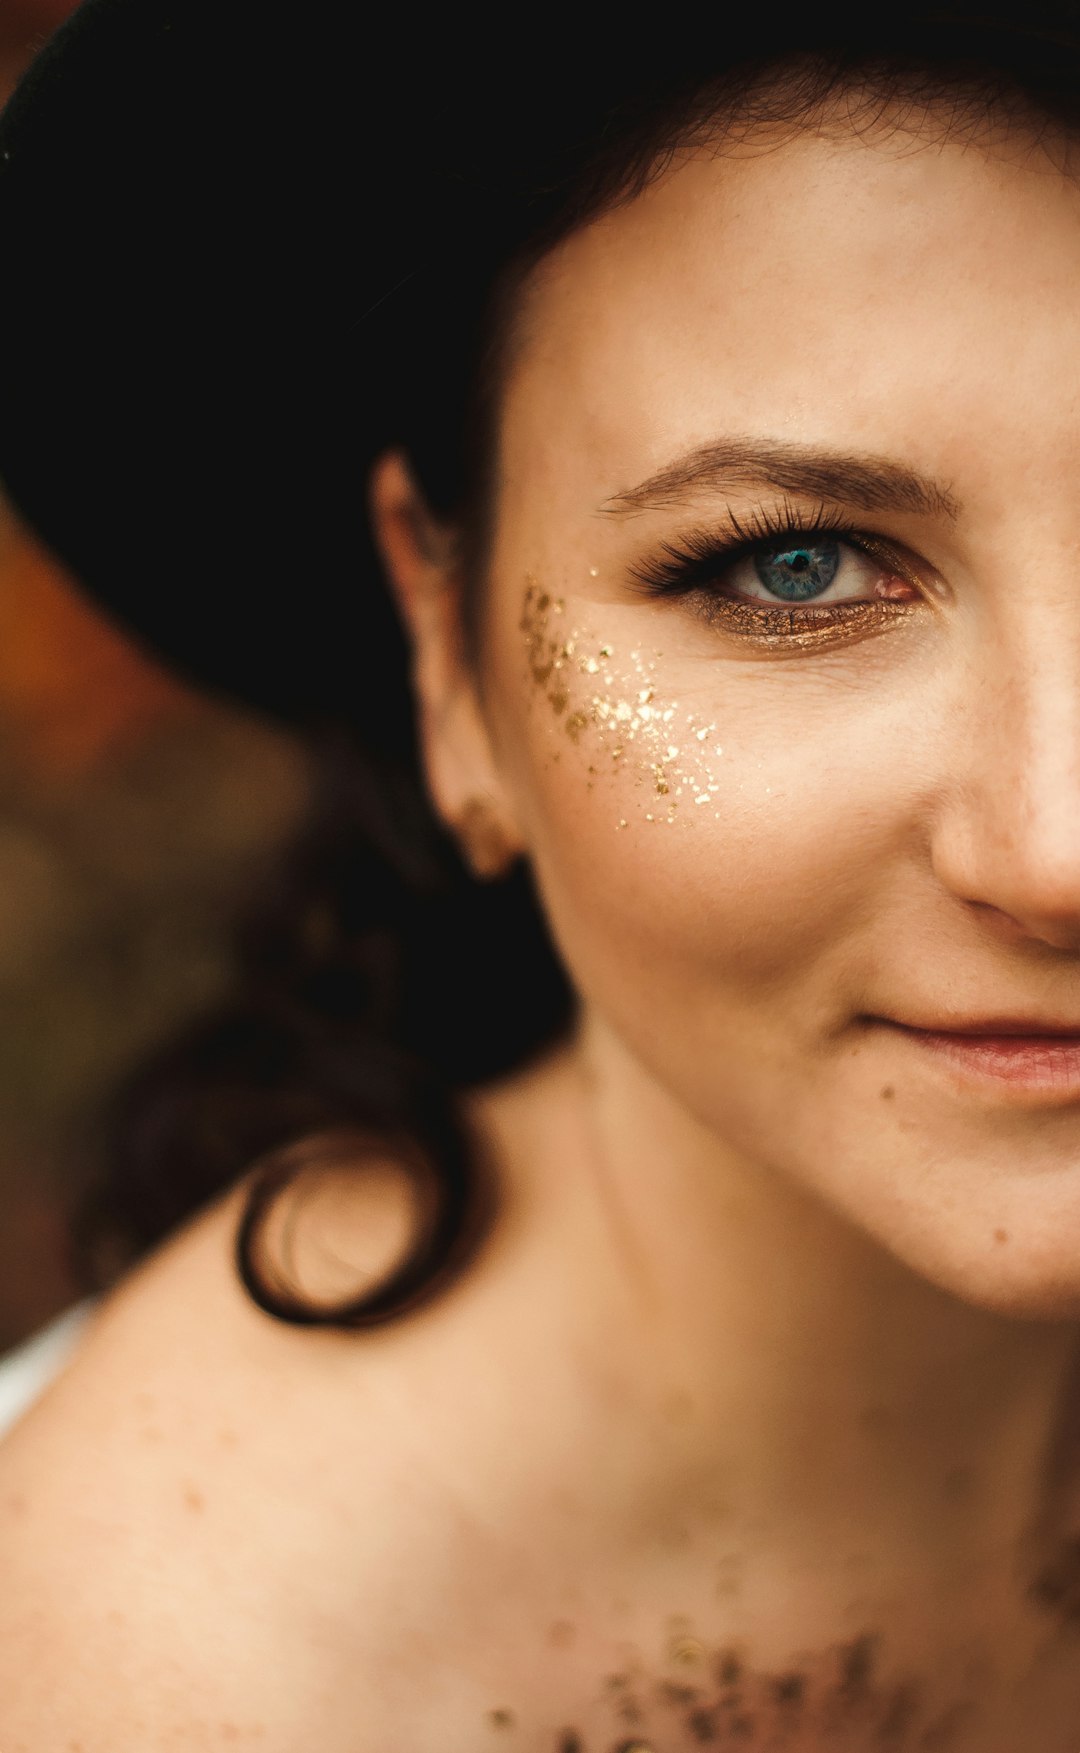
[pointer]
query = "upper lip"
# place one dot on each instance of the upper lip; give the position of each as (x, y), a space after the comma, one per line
(992, 1025)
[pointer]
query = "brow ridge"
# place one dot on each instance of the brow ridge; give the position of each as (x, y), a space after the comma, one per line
(848, 478)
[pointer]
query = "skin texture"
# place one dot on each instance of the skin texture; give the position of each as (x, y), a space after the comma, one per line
(752, 1425)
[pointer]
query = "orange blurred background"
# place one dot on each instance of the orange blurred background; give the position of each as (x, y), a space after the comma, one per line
(134, 817)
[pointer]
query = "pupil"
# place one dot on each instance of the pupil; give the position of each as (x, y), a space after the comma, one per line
(797, 573)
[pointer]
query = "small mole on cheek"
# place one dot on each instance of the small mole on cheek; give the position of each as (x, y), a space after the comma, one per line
(888, 1093)
(1001, 1236)
(501, 1719)
(562, 1634)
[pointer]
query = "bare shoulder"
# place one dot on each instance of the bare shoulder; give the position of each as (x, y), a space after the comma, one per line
(219, 1531)
(188, 1511)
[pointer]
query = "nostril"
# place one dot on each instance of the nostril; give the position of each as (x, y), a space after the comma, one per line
(1056, 926)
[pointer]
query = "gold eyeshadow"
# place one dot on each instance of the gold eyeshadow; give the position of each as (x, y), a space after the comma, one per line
(801, 628)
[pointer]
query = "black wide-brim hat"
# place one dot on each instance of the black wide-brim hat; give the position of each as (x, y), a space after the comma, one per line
(209, 210)
(241, 239)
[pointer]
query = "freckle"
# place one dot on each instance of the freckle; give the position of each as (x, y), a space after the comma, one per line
(888, 1093)
(943, 1732)
(1001, 1236)
(228, 1439)
(729, 1668)
(562, 1634)
(728, 1577)
(671, 1692)
(194, 1500)
(704, 1724)
(857, 1662)
(900, 1713)
(501, 1719)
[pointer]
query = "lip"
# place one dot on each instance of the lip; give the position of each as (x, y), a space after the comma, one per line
(1012, 1054)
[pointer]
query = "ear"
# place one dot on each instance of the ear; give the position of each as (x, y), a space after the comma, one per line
(422, 561)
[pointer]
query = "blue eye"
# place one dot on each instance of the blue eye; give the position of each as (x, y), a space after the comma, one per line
(797, 571)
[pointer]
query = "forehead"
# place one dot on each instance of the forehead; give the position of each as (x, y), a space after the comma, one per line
(900, 288)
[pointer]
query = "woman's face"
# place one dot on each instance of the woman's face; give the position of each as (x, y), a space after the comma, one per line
(797, 810)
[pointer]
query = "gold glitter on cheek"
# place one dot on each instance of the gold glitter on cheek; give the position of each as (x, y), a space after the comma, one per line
(612, 709)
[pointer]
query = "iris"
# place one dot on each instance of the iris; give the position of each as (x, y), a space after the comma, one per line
(798, 570)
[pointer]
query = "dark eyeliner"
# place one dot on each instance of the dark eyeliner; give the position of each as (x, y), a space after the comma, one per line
(695, 560)
(689, 571)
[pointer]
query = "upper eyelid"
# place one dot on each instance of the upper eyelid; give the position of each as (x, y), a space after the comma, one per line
(700, 547)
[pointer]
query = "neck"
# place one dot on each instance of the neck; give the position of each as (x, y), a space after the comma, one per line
(758, 1347)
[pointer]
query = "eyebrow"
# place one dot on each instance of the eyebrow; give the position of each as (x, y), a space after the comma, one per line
(871, 483)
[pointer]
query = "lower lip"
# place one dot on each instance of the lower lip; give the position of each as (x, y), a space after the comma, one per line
(1042, 1065)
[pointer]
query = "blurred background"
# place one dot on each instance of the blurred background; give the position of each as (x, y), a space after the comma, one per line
(135, 817)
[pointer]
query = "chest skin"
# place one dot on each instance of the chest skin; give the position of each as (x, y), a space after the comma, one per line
(217, 1534)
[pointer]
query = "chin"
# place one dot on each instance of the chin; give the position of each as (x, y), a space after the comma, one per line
(1022, 1278)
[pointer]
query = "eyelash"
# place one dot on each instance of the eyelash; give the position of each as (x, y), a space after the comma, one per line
(690, 568)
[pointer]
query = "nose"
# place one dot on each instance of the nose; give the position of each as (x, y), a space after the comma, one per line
(1007, 840)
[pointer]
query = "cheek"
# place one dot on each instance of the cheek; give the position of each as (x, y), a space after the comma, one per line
(707, 834)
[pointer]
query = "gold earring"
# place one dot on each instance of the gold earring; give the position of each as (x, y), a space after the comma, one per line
(485, 844)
